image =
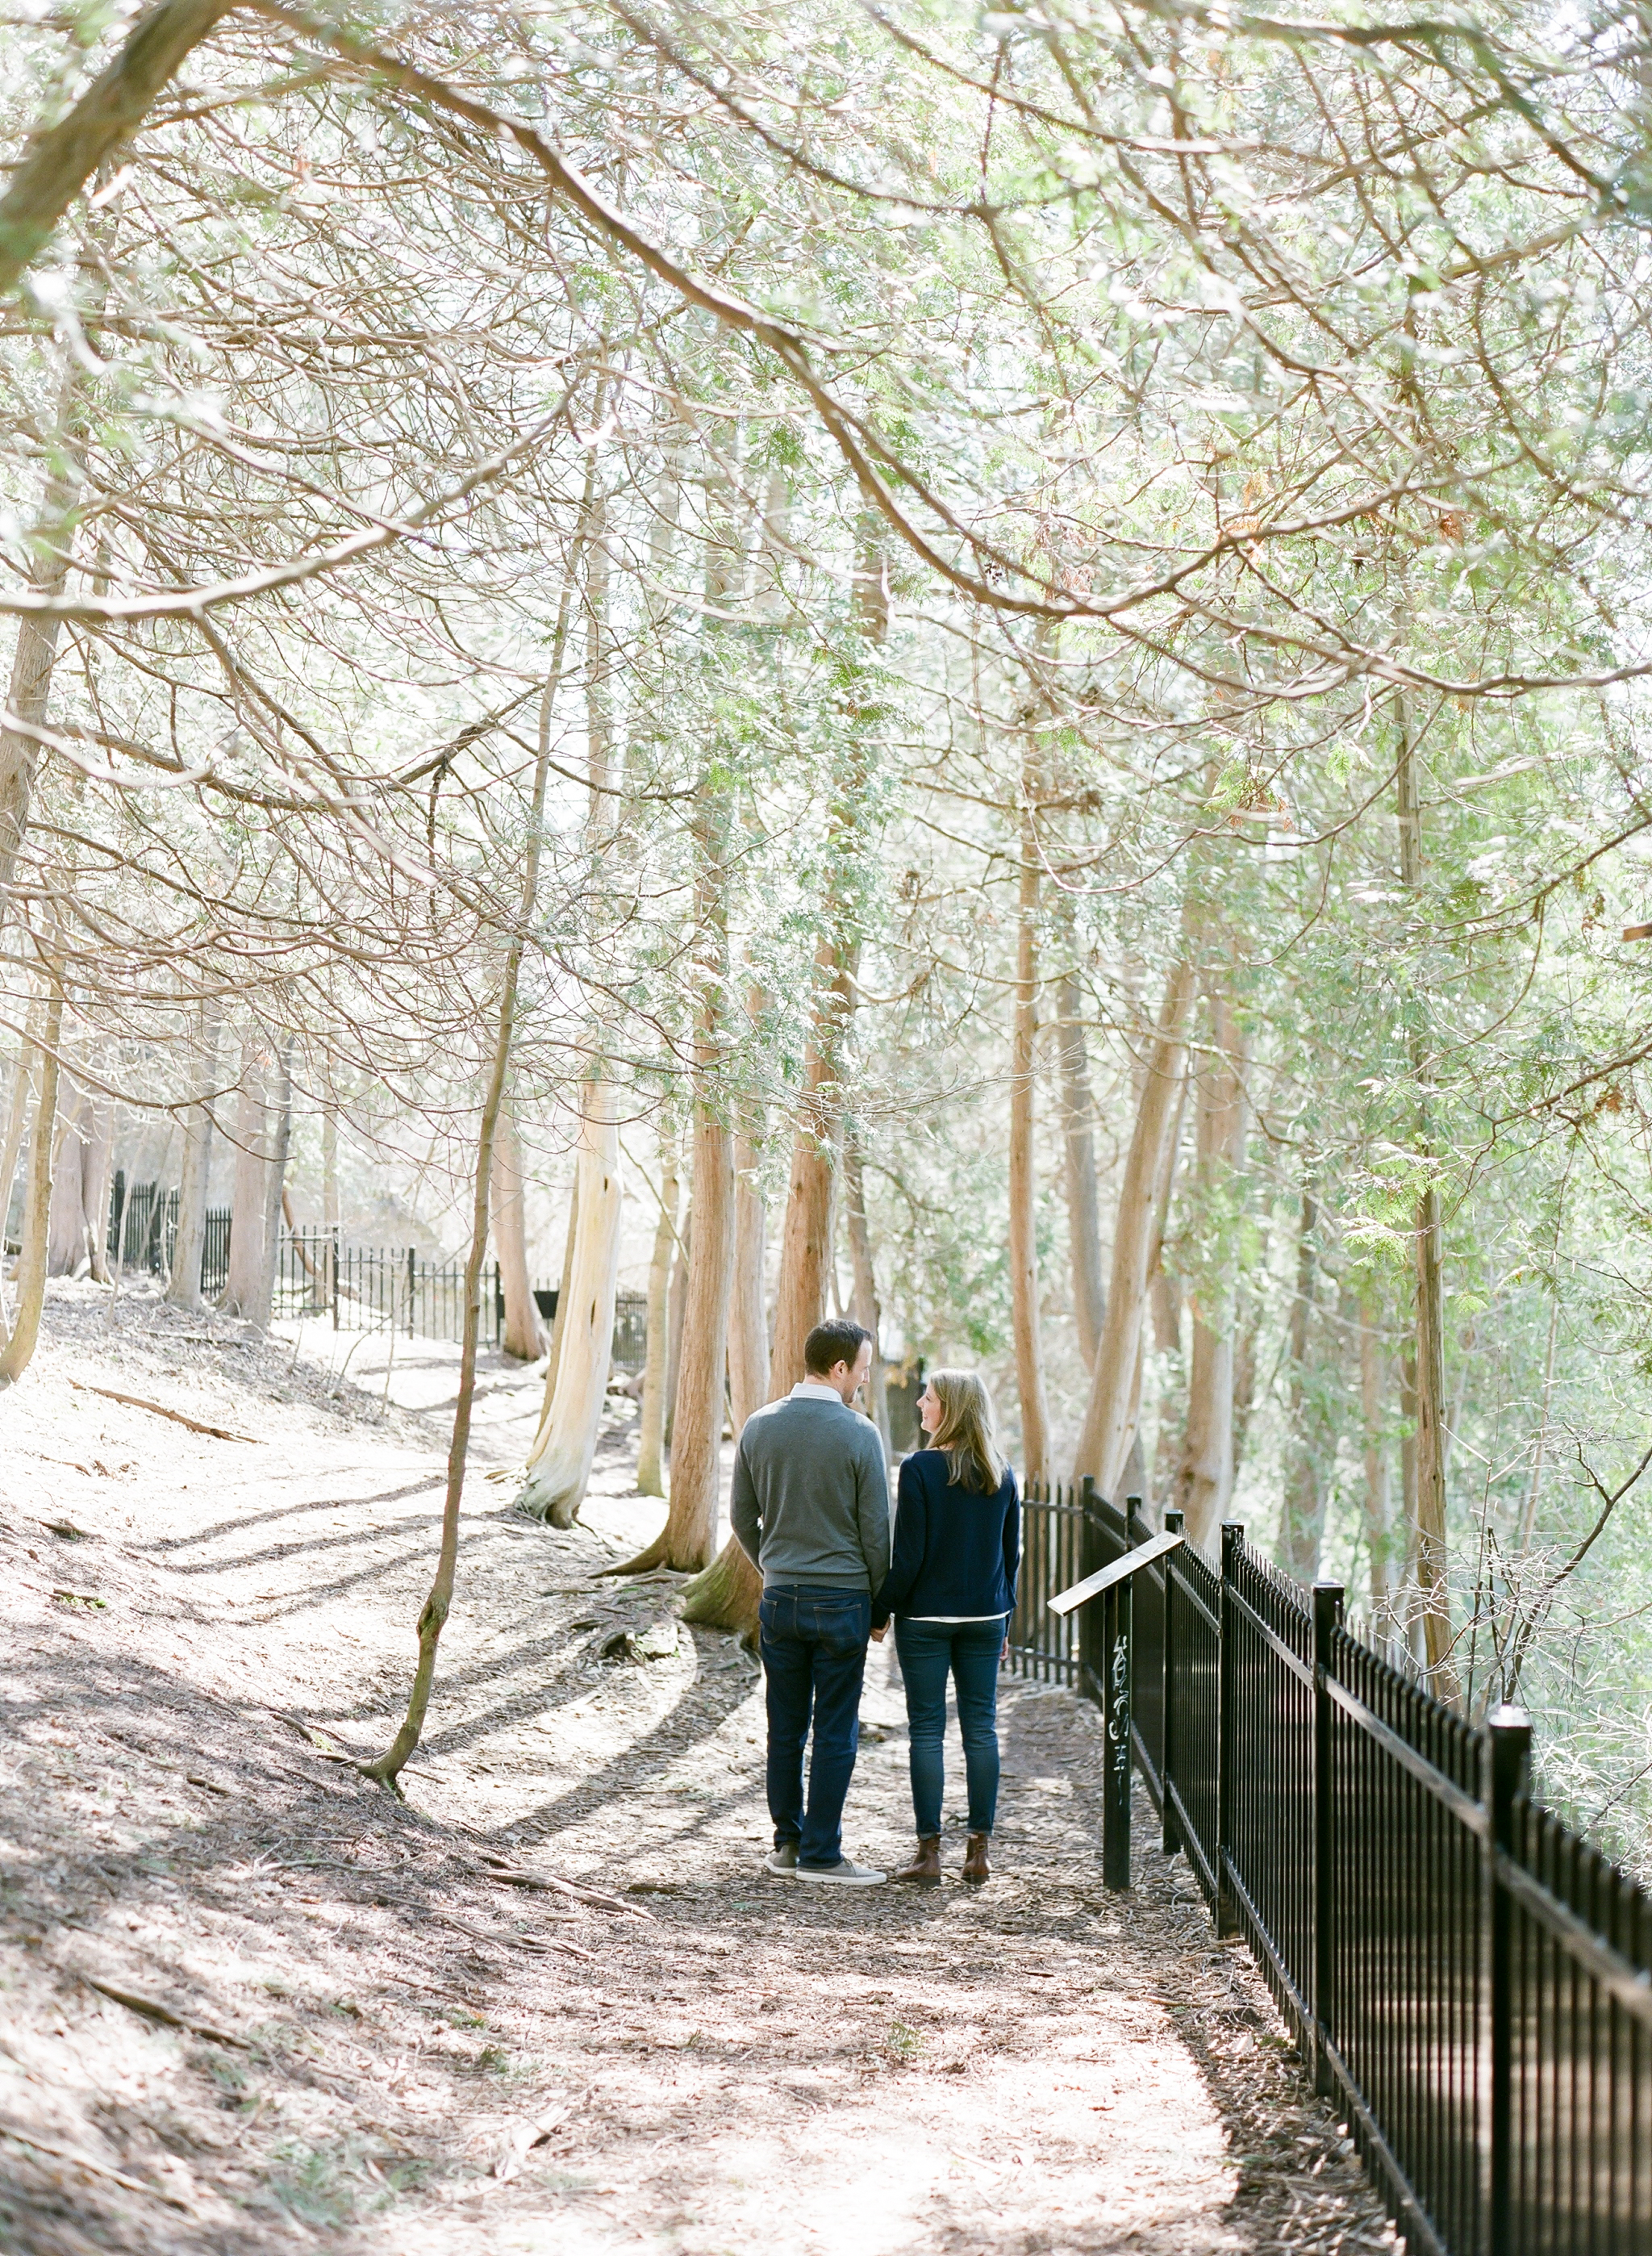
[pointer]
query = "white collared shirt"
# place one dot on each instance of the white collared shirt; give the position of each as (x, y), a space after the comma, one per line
(813, 1390)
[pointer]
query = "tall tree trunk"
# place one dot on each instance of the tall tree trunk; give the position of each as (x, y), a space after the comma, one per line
(559, 1461)
(16, 1125)
(576, 1385)
(685, 1541)
(676, 1304)
(526, 1336)
(1084, 1217)
(20, 1344)
(434, 1615)
(280, 1144)
(1412, 1624)
(1109, 1418)
(66, 1224)
(34, 652)
(1024, 1185)
(183, 1287)
(1433, 1589)
(688, 1538)
(1379, 1533)
(748, 1318)
(1301, 1513)
(863, 1301)
(805, 1245)
(651, 1462)
(242, 1294)
(565, 1297)
(1205, 1481)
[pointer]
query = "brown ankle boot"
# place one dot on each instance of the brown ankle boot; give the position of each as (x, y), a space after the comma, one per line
(925, 1871)
(976, 1869)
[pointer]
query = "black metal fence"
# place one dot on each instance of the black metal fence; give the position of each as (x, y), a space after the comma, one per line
(1471, 1983)
(359, 1288)
(396, 1290)
(142, 1233)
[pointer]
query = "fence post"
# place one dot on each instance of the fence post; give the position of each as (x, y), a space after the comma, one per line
(1506, 1760)
(1092, 1644)
(1327, 1616)
(1233, 1545)
(1116, 1607)
(333, 1247)
(412, 1287)
(1175, 1524)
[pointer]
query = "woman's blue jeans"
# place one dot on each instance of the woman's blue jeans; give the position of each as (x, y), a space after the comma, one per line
(968, 1652)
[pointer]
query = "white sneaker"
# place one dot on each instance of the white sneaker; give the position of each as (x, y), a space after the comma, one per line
(847, 1874)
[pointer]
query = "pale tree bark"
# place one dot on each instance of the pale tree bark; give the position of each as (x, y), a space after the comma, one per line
(183, 1287)
(686, 1541)
(19, 1346)
(805, 1244)
(243, 1293)
(73, 1232)
(1303, 1506)
(1023, 1182)
(675, 1303)
(1433, 1589)
(433, 1614)
(863, 1301)
(748, 1316)
(275, 1181)
(565, 1297)
(1084, 1219)
(651, 1464)
(559, 1461)
(34, 655)
(1205, 1479)
(1379, 1530)
(576, 1385)
(525, 1337)
(17, 1115)
(1110, 1414)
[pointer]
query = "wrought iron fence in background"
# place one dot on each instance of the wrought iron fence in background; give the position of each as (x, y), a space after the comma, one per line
(1471, 1983)
(396, 1289)
(371, 1288)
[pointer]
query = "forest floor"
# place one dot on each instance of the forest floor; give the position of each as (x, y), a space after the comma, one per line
(249, 2002)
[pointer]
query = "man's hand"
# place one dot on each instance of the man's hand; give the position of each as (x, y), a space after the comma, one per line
(878, 1635)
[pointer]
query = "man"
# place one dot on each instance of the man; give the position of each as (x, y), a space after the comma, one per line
(811, 1509)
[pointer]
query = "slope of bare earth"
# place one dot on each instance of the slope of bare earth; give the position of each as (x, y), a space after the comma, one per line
(249, 2002)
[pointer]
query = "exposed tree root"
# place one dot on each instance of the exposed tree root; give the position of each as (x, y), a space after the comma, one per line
(726, 1596)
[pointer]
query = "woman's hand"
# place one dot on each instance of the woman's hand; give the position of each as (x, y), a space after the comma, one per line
(878, 1635)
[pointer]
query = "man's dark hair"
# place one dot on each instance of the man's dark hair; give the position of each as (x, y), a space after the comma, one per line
(834, 1341)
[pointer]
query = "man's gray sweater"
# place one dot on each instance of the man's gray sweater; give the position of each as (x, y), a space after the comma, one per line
(811, 1499)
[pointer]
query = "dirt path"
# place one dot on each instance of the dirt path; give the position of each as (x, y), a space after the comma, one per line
(383, 2043)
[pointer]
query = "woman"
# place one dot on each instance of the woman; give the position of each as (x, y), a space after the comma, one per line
(950, 1589)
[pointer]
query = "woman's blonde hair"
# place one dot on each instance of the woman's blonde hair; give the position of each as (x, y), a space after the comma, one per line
(967, 1432)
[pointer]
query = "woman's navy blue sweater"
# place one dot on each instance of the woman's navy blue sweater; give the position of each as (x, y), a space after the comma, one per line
(956, 1550)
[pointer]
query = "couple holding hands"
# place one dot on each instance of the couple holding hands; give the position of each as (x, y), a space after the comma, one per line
(809, 1508)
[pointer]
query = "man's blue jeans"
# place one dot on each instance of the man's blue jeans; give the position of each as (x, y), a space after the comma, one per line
(969, 1652)
(813, 1646)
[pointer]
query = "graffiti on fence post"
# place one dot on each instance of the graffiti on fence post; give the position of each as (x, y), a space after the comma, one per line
(1116, 1607)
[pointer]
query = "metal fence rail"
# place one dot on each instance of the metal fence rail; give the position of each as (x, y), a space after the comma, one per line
(1471, 1983)
(367, 1288)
